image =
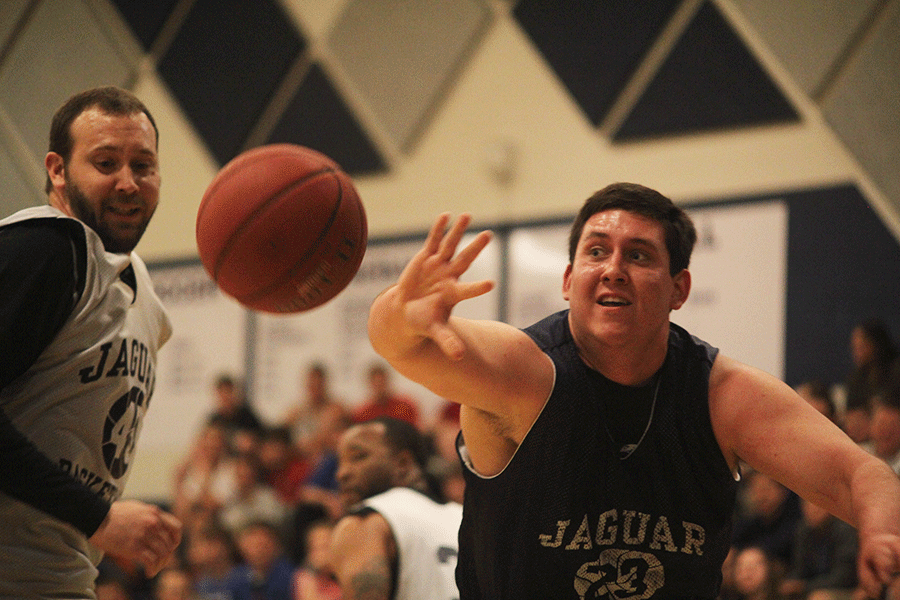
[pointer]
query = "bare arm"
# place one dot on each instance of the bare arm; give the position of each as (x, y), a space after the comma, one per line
(761, 421)
(361, 556)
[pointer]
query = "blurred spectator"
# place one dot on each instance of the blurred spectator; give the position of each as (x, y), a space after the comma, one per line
(873, 352)
(321, 486)
(443, 465)
(755, 576)
(770, 520)
(383, 401)
(886, 429)
(253, 500)
(233, 408)
(824, 557)
(304, 516)
(174, 583)
(110, 586)
(265, 572)
(205, 479)
(312, 580)
(212, 559)
(317, 414)
(284, 467)
(857, 424)
(118, 576)
(819, 396)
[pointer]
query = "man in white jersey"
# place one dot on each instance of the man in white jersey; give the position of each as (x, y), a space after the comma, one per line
(80, 326)
(396, 541)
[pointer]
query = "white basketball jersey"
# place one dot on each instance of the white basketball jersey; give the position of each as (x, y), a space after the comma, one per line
(426, 534)
(82, 404)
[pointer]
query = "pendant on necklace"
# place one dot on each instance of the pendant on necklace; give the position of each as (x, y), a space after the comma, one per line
(627, 450)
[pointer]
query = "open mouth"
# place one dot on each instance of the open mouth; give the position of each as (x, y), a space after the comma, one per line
(613, 302)
(124, 211)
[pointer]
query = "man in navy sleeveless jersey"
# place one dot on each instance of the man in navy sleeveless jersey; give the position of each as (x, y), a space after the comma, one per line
(80, 326)
(602, 445)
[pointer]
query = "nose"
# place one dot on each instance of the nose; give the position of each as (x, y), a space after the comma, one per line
(342, 475)
(614, 269)
(127, 182)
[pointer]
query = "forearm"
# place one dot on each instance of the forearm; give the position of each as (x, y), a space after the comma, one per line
(875, 493)
(29, 476)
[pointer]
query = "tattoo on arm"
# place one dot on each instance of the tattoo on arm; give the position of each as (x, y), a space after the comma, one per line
(373, 581)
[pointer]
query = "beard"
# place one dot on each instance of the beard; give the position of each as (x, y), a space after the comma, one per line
(116, 238)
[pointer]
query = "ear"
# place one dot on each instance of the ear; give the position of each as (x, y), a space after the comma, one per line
(56, 169)
(682, 289)
(406, 467)
(567, 281)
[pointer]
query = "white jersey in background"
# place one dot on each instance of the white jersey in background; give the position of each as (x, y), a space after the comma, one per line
(426, 534)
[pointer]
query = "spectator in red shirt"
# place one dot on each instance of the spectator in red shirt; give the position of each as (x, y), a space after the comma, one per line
(384, 402)
(285, 468)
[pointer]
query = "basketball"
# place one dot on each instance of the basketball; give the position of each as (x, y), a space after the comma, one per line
(281, 229)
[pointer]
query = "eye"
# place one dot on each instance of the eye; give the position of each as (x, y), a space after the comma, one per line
(142, 167)
(358, 456)
(639, 255)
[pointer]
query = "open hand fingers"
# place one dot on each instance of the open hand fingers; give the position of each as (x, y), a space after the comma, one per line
(467, 255)
(436, 261)
(451, 240)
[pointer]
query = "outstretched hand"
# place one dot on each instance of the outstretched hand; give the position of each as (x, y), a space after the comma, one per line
(429, 286)
(139, 532)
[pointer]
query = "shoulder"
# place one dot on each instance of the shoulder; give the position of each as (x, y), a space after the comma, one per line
(681, 340)
(364, 521)
(41, 237)
(551, 331)
(365, 532)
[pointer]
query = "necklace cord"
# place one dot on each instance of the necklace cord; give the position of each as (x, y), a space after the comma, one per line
(628, 449)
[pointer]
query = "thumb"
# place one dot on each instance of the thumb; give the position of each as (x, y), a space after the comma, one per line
(447, 340)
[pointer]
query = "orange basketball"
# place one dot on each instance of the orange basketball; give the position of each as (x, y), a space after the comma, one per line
(281, 229)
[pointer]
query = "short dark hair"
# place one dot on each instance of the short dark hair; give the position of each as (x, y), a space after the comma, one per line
(109, 99)
(402, 436)
(679, 230)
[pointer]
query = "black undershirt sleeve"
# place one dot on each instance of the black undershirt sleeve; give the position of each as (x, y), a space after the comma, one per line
(42, 266)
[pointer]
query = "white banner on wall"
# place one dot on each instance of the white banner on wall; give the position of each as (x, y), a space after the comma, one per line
(739, 282)
(208, 338)
(537, 262)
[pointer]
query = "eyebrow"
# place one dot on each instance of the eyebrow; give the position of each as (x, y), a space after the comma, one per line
(633, 240)
(114, 148)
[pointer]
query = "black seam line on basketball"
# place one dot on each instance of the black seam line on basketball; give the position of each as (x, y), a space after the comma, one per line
(217, 183)
(261, 293)
(226, 249)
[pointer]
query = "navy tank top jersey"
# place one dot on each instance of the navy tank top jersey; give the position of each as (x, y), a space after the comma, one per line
(576, 516)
